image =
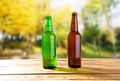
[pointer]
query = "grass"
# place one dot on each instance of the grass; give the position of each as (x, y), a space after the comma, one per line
(61, 52)
(90, 51)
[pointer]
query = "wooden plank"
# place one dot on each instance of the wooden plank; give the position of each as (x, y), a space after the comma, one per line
(31, 70)
(60, 77)
(35, 66)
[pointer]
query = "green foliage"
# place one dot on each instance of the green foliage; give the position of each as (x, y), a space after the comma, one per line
(89, 51)
(92, 14)
(29, 20)
(35, 50)
(111, 37)
(61, 25)
(61, 52)
(95, 10)
(117, 32)
(91, 33)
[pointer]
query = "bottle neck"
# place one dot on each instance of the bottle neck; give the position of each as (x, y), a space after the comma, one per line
(48, 24)
(74, 22)
(48, 28)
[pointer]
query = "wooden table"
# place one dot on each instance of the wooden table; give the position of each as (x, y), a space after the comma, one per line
(31, 70)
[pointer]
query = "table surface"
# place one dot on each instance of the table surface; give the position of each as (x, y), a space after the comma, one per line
(32, 70)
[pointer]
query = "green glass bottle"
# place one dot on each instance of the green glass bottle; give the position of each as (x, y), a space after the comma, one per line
(49, 45)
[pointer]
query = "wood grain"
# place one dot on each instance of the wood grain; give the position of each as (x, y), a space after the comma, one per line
(32, 70)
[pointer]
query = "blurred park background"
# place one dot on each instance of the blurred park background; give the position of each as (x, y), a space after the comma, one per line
(22, 24)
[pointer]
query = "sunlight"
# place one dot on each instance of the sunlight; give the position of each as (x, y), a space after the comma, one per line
(76, 5)
(11, 67)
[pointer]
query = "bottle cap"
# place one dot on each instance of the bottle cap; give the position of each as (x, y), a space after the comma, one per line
(74, 14)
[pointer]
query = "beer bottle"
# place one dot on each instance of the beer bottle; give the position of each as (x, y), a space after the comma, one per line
(74, 44)
(49, 45)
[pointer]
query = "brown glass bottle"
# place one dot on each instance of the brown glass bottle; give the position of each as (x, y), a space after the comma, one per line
(74, 44)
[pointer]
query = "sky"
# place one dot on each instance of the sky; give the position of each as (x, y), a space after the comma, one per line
(77, 5)
(116, 12)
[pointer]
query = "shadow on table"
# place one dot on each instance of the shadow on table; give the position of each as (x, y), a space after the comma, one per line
(70, 70)
(99, 73)
(84, 70)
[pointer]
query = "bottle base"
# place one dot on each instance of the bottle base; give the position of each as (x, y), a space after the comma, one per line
(49, 67)
(74, 66)
(49, 64)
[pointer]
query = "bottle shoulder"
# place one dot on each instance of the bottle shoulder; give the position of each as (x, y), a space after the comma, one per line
(74, 33)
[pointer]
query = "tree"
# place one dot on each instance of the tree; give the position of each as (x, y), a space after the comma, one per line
(117, 32)
(111, 37)
(61, 24)
(22, 16)
(94, 14)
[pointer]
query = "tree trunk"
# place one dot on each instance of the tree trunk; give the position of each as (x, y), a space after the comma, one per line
(99, 48)
(114, 48)
(95, 44)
